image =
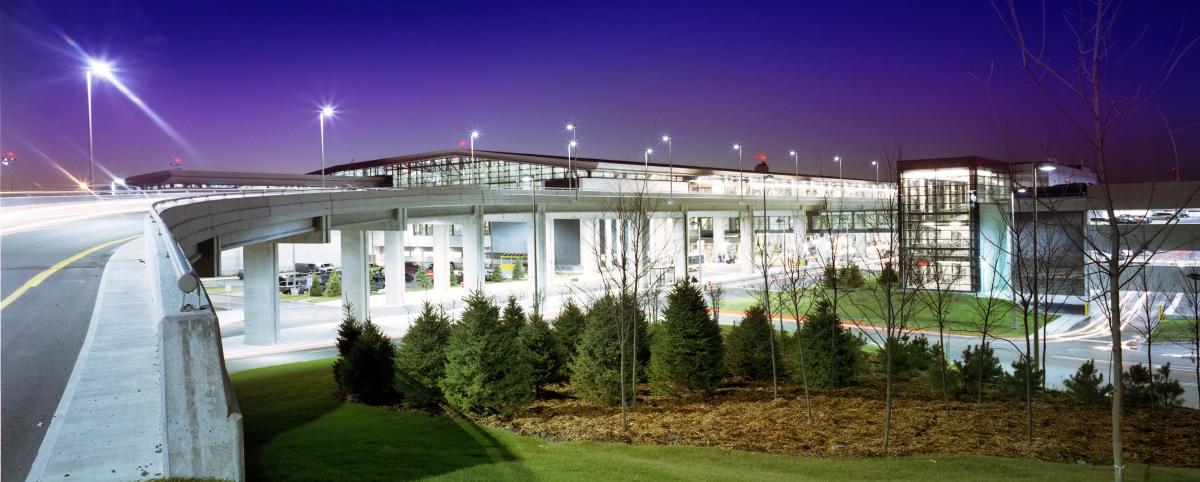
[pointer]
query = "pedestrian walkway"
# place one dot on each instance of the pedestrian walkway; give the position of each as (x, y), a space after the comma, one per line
(108, 425)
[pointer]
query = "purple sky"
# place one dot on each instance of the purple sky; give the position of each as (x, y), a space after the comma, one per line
(242, 84)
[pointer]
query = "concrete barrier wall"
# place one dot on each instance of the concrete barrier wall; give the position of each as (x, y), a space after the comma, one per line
(202, 423)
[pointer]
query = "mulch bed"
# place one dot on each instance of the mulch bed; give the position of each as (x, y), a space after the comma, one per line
(849, 422)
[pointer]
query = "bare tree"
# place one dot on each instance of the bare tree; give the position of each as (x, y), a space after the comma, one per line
(1085, 82)
(795, 281)
(1148, 320)
(937, 286)
(889, 308)
(716, 293)
(1190, 280)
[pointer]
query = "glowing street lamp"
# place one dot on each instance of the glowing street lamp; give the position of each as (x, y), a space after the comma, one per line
(327, 112)
(571, 149)
(671, 162)
(876, 164)
(95, 67)
(741, 173)
(646, 161)
(796, 182)
(474, 135)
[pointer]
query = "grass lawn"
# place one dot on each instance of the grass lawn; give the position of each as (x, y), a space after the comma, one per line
(1173, 330)
(295, 430)
(862, 304)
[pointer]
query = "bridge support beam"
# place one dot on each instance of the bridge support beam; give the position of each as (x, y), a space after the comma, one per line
(393, 266)
(261, 267)
(745, 259)
(441, 258)
(472, 252)
(537, 254)
(356, 274)
(589, 247)
(679, 245)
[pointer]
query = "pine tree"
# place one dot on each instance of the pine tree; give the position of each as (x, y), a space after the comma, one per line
(687, 354)
(596, 370)
(568, 327)
(545, 353)
(513, 316)
(748, 351)
(831, 352)
(421, 358)
(1014, 383)
(334, 286)
(979, 368)
(365, 368)
(1087, 385)
(495, 274)
(487, 367)
(422, 279)
(518, 272)
(314, 286)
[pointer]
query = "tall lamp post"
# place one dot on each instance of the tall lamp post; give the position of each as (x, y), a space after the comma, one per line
(646, 163)
(671, 175)
(571, 148)
(876, 164)
(326, 113)
(103, 69)
(796, 182)
(8, 162)
(533, 233)
(741, 174)
(1036, 294)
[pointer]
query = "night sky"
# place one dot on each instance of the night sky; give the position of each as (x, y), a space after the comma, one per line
(242, 82)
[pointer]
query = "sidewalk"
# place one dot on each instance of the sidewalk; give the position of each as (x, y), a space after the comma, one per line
(108, 425)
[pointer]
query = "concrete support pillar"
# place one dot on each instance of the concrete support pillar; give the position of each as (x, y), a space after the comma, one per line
(551, 265)
(472, 233)
(606, 228)
(356, 273)
(746, 242)
(719, 245)
(261, 267)
(441, 257)
(537, 254)
(679, 242)
(393, 267)
(800, 236)
(589, 246)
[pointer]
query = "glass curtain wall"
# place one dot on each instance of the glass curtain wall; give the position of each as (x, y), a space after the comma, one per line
(937, 242)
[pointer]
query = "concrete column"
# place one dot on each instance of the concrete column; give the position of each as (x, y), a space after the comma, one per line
(746, 243)
(680, 246)
(551, 266)
(261, 267)
(356, 273)
(588, 246)
(537, 253)
(472, 233)
(800, 235)
(606, 228)
(441, 257)
(719, 245)
(393, 267)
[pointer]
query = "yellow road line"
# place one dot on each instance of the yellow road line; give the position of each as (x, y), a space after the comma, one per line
(40, 277)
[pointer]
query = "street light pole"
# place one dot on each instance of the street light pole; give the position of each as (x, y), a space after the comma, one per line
(876, 164)
(91, 147)
(646, 165)
(326, 112)
(1036, 294)
(572, 146)
(767, 281)
(741, 175)
(671, 162)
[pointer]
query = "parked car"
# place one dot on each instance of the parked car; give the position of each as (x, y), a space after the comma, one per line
(298, 284)
(1128, 219)
(306, 267)
(326, 268)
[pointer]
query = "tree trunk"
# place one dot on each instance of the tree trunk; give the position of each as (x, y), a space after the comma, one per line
(1150, 364)
(624, 405)
(633, 367)
(1114, 322)
(979, 392)
(887, 418)
(1028, 386)
(942, 341)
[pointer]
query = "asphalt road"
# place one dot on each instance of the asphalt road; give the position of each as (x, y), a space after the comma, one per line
(43, 329)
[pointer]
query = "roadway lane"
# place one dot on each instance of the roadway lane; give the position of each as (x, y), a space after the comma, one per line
(42, 331)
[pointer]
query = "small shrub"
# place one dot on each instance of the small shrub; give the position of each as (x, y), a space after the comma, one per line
(933, 376)
(911, 355)
(1087, 385)
(888, 275)
(314, 286)
(832, 354)
(749, 347)
(687, 353)
(334, 286)
(495, 274)
(487, 367)
(421, 358)
(850, 277)
(518, 272)
(365, 369)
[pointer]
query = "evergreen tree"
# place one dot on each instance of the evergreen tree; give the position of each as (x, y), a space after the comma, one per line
(421, 358)
(314, 286)
(513, 316)
(518, 271)
(832, 354)
(748, 350)
(596, 370)
(568, 327)
(495, 274)
(979, 369)
(487, 367)
(422, 279)
(888, 276)
(850, 277)
(334, 286)
(687, 353)
(1087, 385)
(1014, 383)
(545, 353)
(365, 368)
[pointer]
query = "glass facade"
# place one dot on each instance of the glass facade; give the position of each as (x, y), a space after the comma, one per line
(940, 224)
